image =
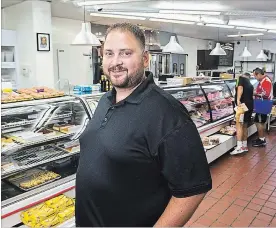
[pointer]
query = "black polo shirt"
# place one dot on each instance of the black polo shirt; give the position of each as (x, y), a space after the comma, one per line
(135, 155)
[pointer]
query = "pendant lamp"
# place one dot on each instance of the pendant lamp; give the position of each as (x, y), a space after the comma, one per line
(246, 53)
(218, 50)
(85, 37)
(173, 47)
(262, 56)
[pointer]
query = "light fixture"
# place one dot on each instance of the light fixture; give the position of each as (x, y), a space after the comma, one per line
(173, 47)
(200, 23)
(218, 50)
(192, 12)
(220, 26)
(248, 34)
(172, 21)
(192, 5)
(245, 52)
(178, 17)
(102, 2)
(262, 56)
(272, 31)
(85, 37)
(253, 29)
(117, 16)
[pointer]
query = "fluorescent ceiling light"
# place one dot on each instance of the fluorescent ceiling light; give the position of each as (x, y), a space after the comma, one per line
(253, 29)
(248, 34)
(272, 31)
(246, 23)
(189, 5)
(163, 16)
(200, 23)
(117, 16)
(218, 50)
(192, 12)
(172, 21)
(102, 2)
(220, 26)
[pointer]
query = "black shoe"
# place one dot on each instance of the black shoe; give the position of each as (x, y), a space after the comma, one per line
(255, 140)
(259, 143)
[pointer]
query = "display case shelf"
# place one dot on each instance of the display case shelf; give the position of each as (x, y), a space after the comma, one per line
(17, 124)
(28, 161)
(22, 146)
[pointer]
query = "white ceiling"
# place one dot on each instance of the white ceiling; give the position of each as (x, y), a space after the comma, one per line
(262, 13)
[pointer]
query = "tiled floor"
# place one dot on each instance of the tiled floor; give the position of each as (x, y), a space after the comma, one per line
(244, 190)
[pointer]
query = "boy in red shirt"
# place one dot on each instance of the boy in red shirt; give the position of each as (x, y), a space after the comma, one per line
(263, 90)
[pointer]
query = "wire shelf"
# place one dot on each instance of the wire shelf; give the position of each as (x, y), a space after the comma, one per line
(33, 157)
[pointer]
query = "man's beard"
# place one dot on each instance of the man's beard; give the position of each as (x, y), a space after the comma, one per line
(130, 80)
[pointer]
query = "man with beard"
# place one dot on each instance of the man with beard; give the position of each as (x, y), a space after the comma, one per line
(142, 162)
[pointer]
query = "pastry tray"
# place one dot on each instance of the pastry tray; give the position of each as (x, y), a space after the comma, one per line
(27, 176)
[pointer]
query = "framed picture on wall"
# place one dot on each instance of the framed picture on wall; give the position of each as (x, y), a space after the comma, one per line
(43, 41)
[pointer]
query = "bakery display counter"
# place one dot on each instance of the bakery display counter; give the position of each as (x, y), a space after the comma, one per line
(40, 151)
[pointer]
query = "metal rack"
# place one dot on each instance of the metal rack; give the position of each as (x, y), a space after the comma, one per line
(27, 159)
(18, 147)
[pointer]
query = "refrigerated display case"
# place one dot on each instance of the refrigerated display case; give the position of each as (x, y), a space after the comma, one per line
(232, 84)
(211, 108)
(39, 152)
(194, 99)
(41, 136)
(205, 103)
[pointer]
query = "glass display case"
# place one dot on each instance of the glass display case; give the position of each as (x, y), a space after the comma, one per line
(220, 100)
(194, 99)
(205, 103)
(232, 84)
(40, 145)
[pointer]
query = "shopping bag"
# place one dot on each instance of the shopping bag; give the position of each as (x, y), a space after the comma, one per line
(262, 106)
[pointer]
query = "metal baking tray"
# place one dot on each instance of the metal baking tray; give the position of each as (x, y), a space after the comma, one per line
(27, 176)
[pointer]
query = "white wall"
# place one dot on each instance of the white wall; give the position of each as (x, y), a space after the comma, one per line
(27, 19)
(70, 63)
(191, 46)
(254, 47)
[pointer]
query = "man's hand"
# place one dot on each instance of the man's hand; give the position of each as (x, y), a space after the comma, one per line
(238, 103)
(179, 211)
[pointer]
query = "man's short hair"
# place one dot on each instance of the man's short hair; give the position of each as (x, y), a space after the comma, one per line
(247, 74)
(128, 27)
(259, 71)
